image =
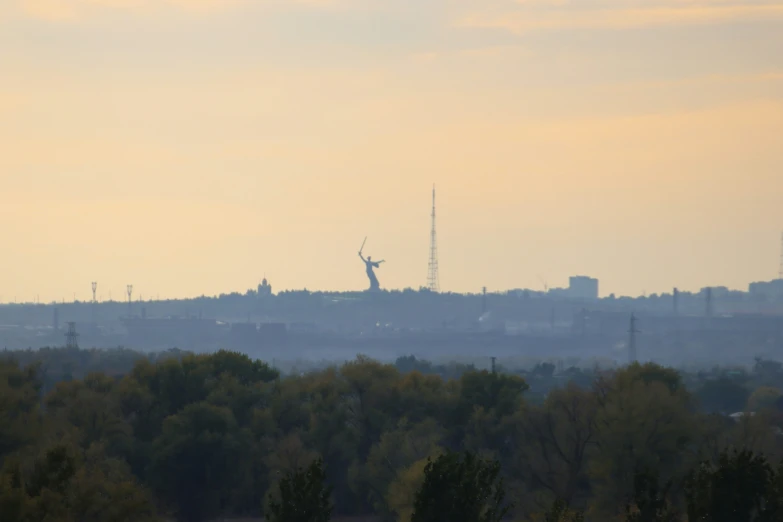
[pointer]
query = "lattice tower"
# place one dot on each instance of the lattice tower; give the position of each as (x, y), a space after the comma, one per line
(433, 280)
(71, 337)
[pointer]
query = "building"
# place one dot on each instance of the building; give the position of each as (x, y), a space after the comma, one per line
(582, 287)
(771, 290)
(264, 289)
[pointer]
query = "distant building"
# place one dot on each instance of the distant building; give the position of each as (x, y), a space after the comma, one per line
(583, 287)
(264, 289)
(767, 289)
(717, 291)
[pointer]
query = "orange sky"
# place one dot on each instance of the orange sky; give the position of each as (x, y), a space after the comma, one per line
(191, 146)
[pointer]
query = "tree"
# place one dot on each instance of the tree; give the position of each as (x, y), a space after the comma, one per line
(395, 452)
(63, 485)
(19, 400)
(649, 502)
(197, 461)
(645, 420)
(740, 487)
(764, 398)
(402, 491)
(560, 512)
(558, 438)
(304, 496)
(90, 406)
(484, 407)
(460, 488)
(723, 394)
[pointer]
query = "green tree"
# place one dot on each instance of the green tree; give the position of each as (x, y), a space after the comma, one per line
(303, 496)
(62, 485)
(482, 413)
(645, 420)
(723, 395)
(740, 487)
(197, 461)
(91, 407)
(395, 452)
(650, 500)
(19, 401)
(560, 512)
(558, 439)
(460, 488)
(763, 398)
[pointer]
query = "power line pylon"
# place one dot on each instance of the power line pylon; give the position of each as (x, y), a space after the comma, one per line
(433, 280)
(71, 337)
(130, 299)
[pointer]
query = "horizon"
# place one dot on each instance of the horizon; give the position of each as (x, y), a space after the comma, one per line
(101, 299)
(198, 144)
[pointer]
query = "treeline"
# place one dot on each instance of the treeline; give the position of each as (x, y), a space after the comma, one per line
(718, 389)
(194, 437)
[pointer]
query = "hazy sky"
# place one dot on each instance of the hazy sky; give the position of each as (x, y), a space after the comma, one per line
(192, 146)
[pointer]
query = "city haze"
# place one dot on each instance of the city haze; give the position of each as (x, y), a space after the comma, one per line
(191, 147)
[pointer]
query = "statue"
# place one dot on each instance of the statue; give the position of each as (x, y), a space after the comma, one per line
(370, 265)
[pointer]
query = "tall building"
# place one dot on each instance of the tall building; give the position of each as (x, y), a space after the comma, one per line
(583, 287)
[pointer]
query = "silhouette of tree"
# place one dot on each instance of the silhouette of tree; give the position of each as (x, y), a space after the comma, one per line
(741, 487)
(460, 488)
(304, 496)
(649, 502)
(559, 512)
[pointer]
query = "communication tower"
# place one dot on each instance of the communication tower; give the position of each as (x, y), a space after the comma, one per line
(433, 281)
(130, 301)
(94, 300)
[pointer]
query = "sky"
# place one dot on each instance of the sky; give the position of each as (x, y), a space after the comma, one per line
(191, 147)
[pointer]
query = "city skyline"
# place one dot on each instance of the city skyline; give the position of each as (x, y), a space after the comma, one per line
(190, 146)
(554, 290)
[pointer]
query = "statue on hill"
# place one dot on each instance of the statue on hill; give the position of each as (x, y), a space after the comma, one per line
(370, 265)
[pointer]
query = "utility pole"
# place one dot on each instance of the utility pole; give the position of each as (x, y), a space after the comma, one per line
(632, 331)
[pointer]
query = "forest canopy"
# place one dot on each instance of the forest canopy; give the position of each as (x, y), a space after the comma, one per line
(120, 436)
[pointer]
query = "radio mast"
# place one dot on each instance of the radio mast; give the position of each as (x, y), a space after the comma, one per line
(433, 281)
